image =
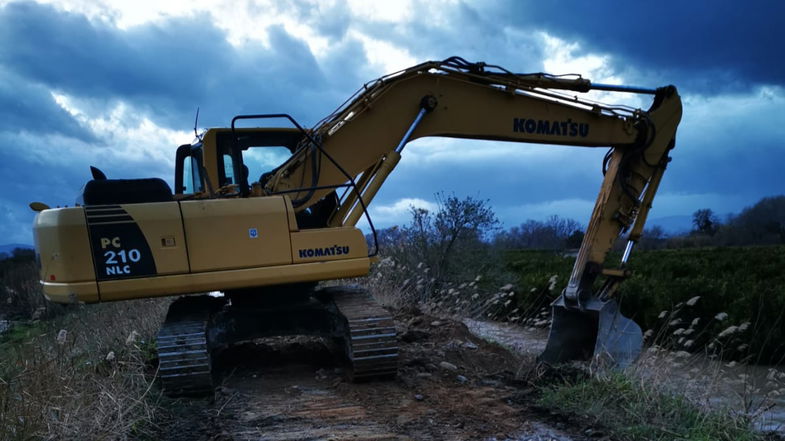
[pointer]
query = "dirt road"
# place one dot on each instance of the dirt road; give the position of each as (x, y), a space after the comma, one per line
(452, 385)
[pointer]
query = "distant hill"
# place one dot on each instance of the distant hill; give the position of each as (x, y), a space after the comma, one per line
(8, 249)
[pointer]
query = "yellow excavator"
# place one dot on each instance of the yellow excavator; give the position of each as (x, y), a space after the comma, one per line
(263, 214)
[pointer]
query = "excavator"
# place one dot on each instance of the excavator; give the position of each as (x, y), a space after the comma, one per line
(263, 214)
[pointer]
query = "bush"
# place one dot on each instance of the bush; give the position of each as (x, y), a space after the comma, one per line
(441, 260)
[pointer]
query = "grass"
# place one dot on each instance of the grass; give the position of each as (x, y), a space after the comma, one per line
(83, 375)
(629, 409)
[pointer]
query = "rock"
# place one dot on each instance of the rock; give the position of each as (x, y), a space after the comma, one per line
(419, 397)
(461, 379)
(449, 366)
(424, 375)
(469, 345)
(453, 345)
(62, 337)
(436, 323)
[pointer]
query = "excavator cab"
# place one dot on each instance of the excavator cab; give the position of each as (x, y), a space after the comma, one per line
(230, 161)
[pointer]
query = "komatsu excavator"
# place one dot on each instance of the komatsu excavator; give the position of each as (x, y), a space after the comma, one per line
(263, 214)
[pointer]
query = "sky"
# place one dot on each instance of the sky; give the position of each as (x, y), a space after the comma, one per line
(116, 84)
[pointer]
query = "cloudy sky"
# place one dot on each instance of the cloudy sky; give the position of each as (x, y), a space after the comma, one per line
(116, 84)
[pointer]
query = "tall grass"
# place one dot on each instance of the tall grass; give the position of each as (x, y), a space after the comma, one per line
(83, 375)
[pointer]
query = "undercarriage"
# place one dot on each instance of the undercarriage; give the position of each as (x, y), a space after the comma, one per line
(197, 328)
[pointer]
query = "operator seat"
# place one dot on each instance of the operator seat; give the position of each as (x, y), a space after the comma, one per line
(103, 191)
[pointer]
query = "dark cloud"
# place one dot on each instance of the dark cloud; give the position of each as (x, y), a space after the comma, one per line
(165, 69)
(52, 169)
(30, 107)
(708, 47)
(460, 31)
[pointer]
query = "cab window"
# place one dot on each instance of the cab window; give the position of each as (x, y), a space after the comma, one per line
(188, 170)
(228, 177)
(192, 178)
(263, 159)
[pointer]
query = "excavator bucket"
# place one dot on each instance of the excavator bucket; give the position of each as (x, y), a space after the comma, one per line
(598, 332)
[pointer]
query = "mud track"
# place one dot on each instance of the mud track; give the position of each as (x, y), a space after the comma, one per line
(452, 385)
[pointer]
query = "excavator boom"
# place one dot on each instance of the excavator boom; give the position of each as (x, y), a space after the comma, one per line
(457, 99)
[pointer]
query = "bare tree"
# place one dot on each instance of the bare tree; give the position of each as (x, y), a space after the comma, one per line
(705, 221)
(445, 240)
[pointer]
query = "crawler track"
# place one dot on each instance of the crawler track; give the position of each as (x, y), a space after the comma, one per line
(371, 343)
(185, 366)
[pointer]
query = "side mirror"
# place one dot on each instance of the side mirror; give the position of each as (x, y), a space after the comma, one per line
(38, 206)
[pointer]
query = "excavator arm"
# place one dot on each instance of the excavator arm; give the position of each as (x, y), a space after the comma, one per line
(362, 141)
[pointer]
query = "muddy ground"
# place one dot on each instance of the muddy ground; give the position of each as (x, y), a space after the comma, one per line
(452, 385)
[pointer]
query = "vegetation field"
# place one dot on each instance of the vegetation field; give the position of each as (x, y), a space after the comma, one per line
(732, 298)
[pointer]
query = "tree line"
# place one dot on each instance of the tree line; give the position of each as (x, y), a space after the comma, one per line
(760, 224)
(463, 235)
